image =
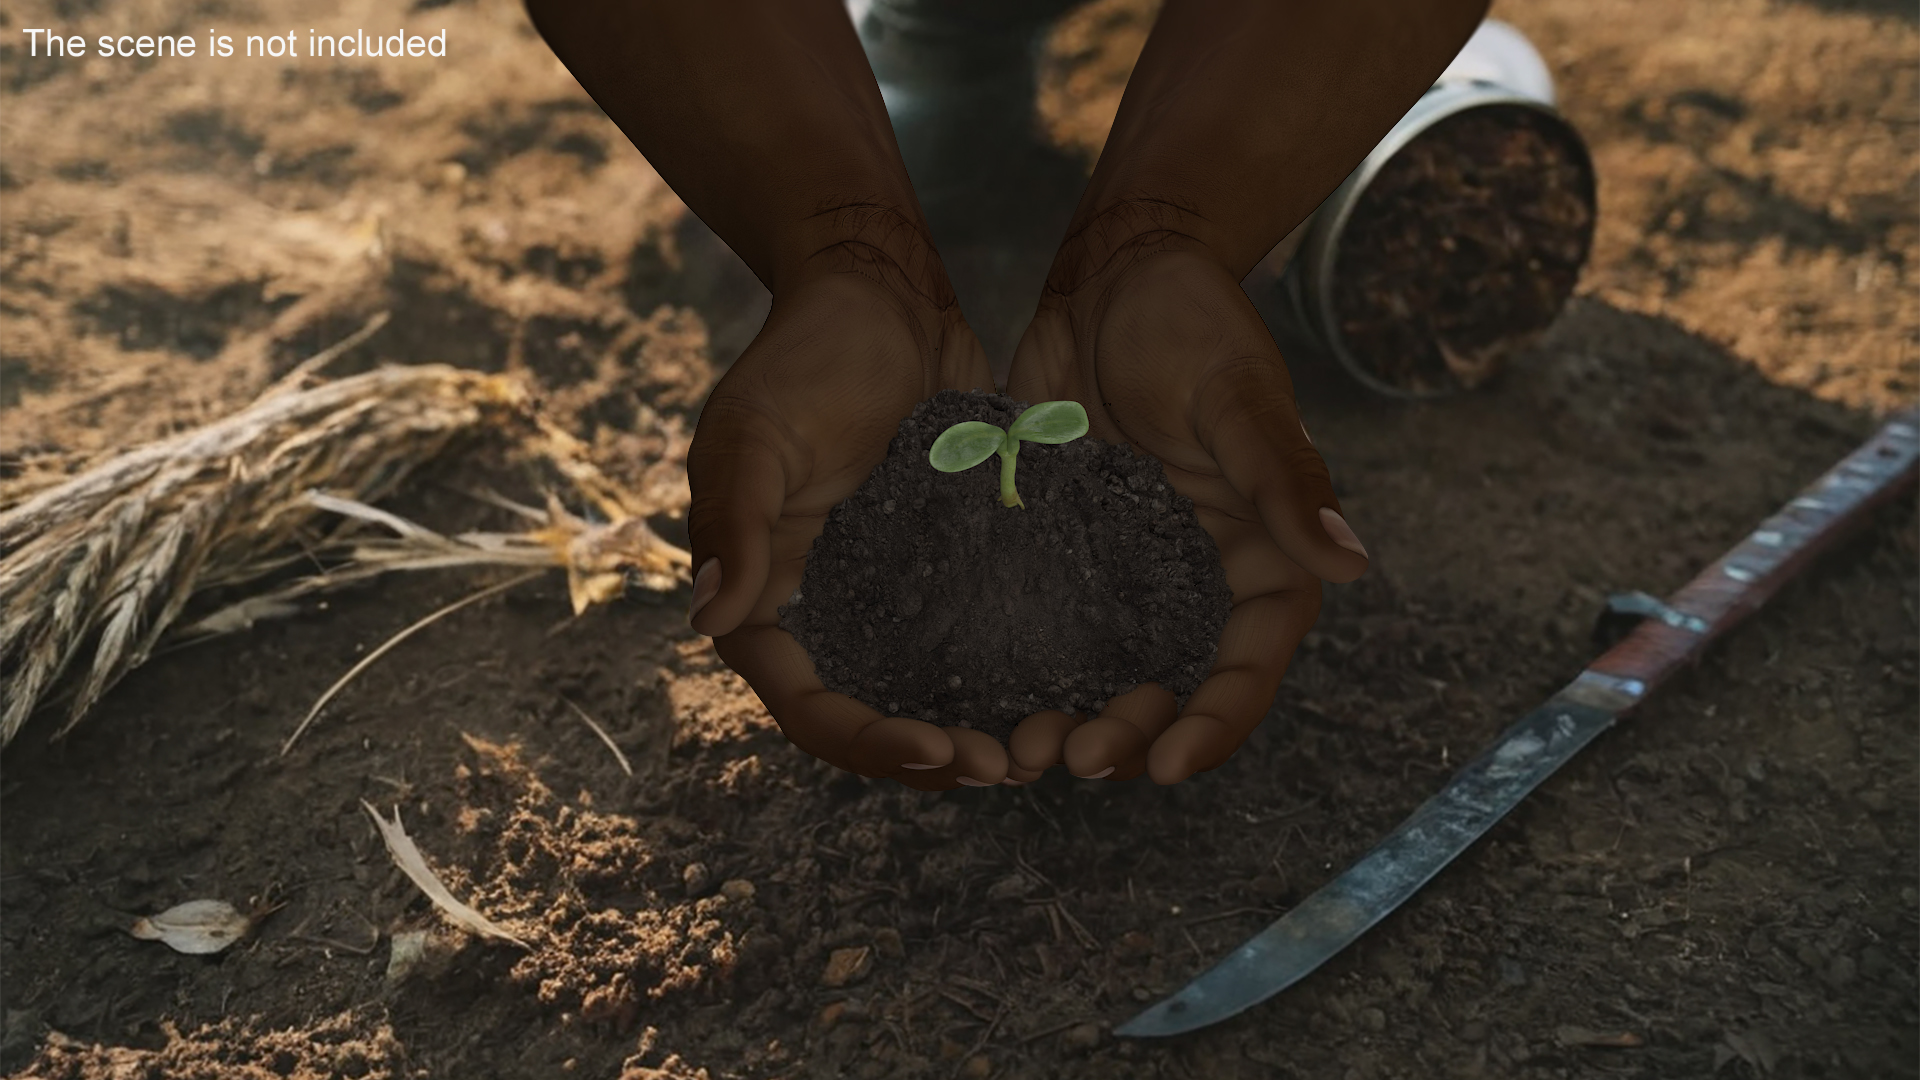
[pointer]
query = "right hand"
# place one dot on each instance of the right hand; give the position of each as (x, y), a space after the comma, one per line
(794, 427)
(1166, 353)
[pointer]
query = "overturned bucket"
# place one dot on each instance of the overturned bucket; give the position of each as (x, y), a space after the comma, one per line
(1457, 241)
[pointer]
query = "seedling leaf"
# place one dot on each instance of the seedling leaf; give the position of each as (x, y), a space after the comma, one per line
(1051, 422)
(965, 445)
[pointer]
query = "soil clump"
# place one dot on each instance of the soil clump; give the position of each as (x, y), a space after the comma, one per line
(924, 597)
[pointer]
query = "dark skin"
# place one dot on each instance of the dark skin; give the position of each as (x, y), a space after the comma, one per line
(1241, 115)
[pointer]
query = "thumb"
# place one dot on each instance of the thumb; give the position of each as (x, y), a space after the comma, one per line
(738, 488)
(1045, 361)
(1246, 419)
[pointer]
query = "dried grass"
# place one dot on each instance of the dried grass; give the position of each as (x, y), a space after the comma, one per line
(96, 570)
(387, 646)
(408, 858)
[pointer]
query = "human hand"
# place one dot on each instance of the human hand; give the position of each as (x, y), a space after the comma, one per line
(794, 427)
(1163, 348)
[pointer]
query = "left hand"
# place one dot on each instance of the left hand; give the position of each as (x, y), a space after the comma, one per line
(1166, 352)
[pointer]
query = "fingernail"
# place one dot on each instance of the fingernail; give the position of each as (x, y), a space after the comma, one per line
(1011, 782)
(910, 765)
(1103, 772)
(971, 782)
(1339, 531)
(1303, 431)
(706, 585)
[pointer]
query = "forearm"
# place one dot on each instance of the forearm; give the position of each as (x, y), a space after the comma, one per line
(764, 117)
(1242, 115)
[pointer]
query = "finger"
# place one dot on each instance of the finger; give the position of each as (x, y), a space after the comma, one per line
(1038, 741)
(1114, 744)
(1045, 362)
(978, 761)
(1255, 647)
(963, 362)
(893, 743)
(1017, 775)
(738, 487)
(1245, 418)
(1193, 744)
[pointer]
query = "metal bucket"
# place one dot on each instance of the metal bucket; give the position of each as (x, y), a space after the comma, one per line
(1497, 68)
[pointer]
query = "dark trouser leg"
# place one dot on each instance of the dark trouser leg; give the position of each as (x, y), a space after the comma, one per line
(958, 78)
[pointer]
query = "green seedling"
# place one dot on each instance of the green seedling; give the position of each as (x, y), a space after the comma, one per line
(971, 442)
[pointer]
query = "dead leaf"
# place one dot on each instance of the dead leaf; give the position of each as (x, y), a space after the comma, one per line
(420, 953)
(409, 948)
(846, 966)
(1574, 1035)
(197, 927)
(408, 858)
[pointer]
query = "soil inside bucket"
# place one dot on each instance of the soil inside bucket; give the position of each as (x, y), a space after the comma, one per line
(1463, 249)
(924, 597)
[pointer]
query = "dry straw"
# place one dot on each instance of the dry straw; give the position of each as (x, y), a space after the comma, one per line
(95, 571)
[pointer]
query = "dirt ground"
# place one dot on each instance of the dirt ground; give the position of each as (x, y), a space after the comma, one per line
(1728, 882)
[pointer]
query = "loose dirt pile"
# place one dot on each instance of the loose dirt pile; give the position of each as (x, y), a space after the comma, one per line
(925, 597)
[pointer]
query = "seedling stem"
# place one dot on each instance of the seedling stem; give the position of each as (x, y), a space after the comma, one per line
(971, 442)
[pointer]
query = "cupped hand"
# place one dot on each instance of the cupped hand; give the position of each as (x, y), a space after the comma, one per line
(1167, 353)
(795, 426)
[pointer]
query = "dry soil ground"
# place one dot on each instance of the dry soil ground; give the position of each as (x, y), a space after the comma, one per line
(1729, 880)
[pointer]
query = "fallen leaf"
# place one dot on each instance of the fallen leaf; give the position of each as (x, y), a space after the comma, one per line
(409, 948)
(1573, 1035)
(197, 927)
(846, 966)
(408, 858)
(1081, 1037)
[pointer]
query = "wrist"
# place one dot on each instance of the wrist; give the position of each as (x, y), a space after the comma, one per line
(1099, 250)
(874, 238)
(862, 247)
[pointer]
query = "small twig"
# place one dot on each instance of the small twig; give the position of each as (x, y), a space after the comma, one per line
(1087, 940)
(334, 943)
(1227, 914)
(328, 355)
(354, 508)
(1045, 814)
(494, 498)
(977, 986)
(625, 766)
(396, 639)
(967, 1005)
(1054, 1030)
(980, 1042)
(1197, 954)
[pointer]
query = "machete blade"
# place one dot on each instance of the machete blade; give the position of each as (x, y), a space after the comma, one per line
(1447, 824)
(1676, 632)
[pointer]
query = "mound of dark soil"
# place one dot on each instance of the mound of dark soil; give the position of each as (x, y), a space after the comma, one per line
(924, 597)
(1463, 249)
